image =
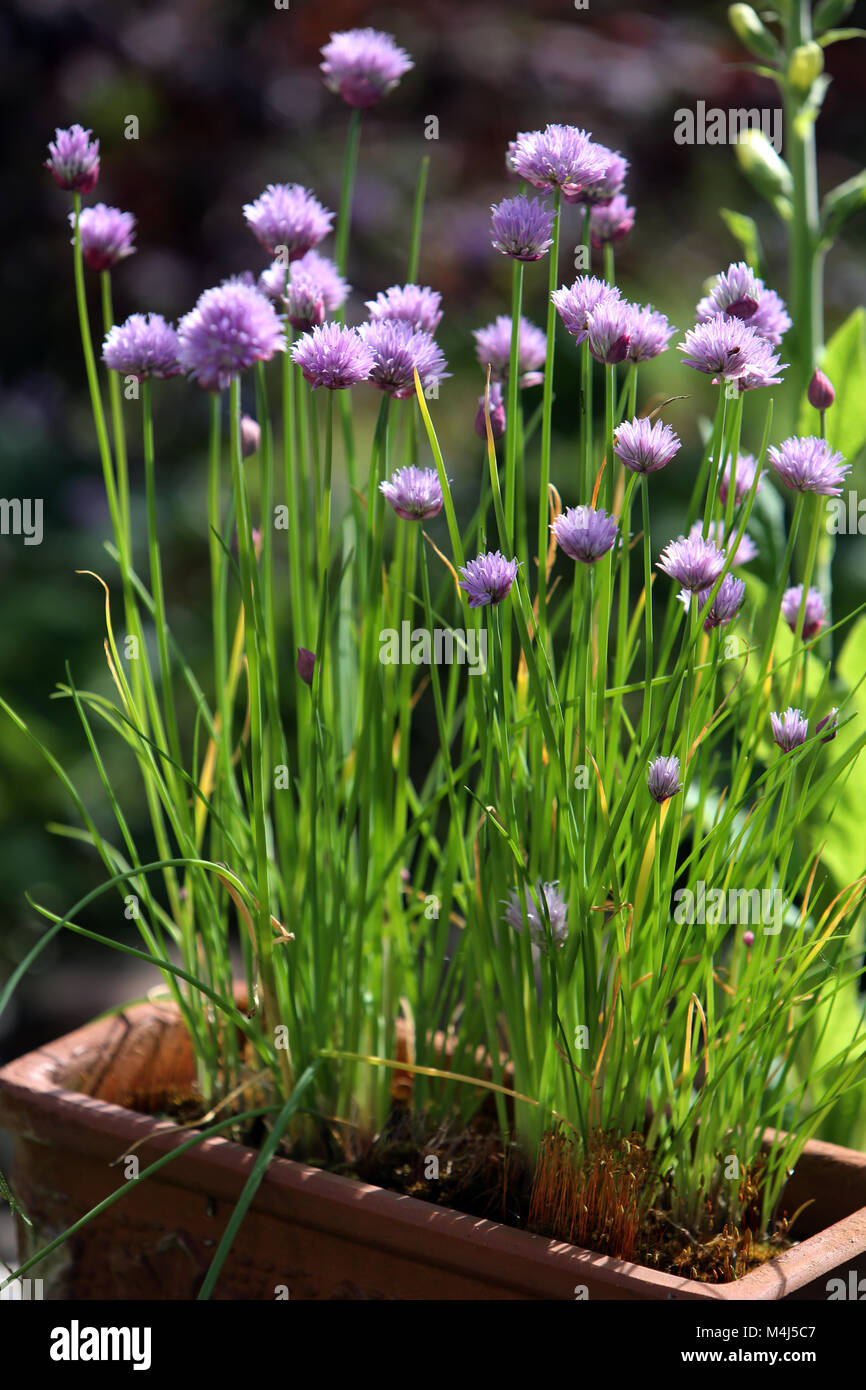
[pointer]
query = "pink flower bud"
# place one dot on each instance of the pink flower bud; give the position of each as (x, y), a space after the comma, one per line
(821, 394)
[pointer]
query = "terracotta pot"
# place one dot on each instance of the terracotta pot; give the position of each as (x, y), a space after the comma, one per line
(311, 1234)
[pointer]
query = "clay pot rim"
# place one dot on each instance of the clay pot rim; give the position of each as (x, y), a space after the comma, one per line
(374, 1215)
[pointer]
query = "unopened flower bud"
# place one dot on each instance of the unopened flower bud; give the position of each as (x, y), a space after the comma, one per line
(821, 394)
(765, 169)
(306, 665)
(751, 31)
(805, 64)
(748, 938)
(251, 436)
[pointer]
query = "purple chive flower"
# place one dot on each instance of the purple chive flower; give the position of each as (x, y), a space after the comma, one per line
(743, 478)
(821, 394)
(363, 65)
(649, 332)
(609, 222)
(496, 407)
(534, 903)
(575, 303)
(251, 436)
(725, 606)
(306, 665)
(398, 352)
(74, 160)
(789, 729)
(584, 533)
(144, 346)
(739, 293)
(771, 319)
(231, 327)
(416, 304)
(310, 288)
(809, 465)
(106, 235)
(736, 291)
(693, 562)
(522, 228)
(828, 720)
(729, 349)
(488, 579)
(814, 616)
(287, 215)
(746, 550)
(333, 356)
(609, 331)
(645, 447)
(602, 190)
(414, 493)
(493, 345)
(663, 779)
(560, 156)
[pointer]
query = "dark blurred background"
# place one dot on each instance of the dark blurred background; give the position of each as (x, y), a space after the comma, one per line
(229, 98)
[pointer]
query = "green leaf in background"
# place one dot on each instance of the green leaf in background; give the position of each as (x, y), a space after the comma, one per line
(744, 230)
(841, 203)
(845, 364)
(839, 35)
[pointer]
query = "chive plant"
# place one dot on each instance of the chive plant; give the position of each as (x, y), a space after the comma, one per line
(608, 886)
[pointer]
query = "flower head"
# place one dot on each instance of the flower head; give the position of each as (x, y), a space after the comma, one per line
(735, 292)
(493, 345)
(522, 228)
(560, 156)
(609, 222)
(663, 778)
(496, 407)
(814, 616)
(416, 304)
(809, 465)
(575, 303)
(231, 327)
(727, 348)
(310, 287)
(363, 65)
(725, 606)
(106, 235)
(584, 533)
(398, 352)
(144, 346)
(74, 160)
(821, 393)
(287, 215)
(789, 729)
(537, 907)
(693, 562)
(738, 293)
(744, 476)
(649, 332)
(645, 447)
(609, 331)
(414, 493)
(601, 190)
(333, 356)
(488, 579)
